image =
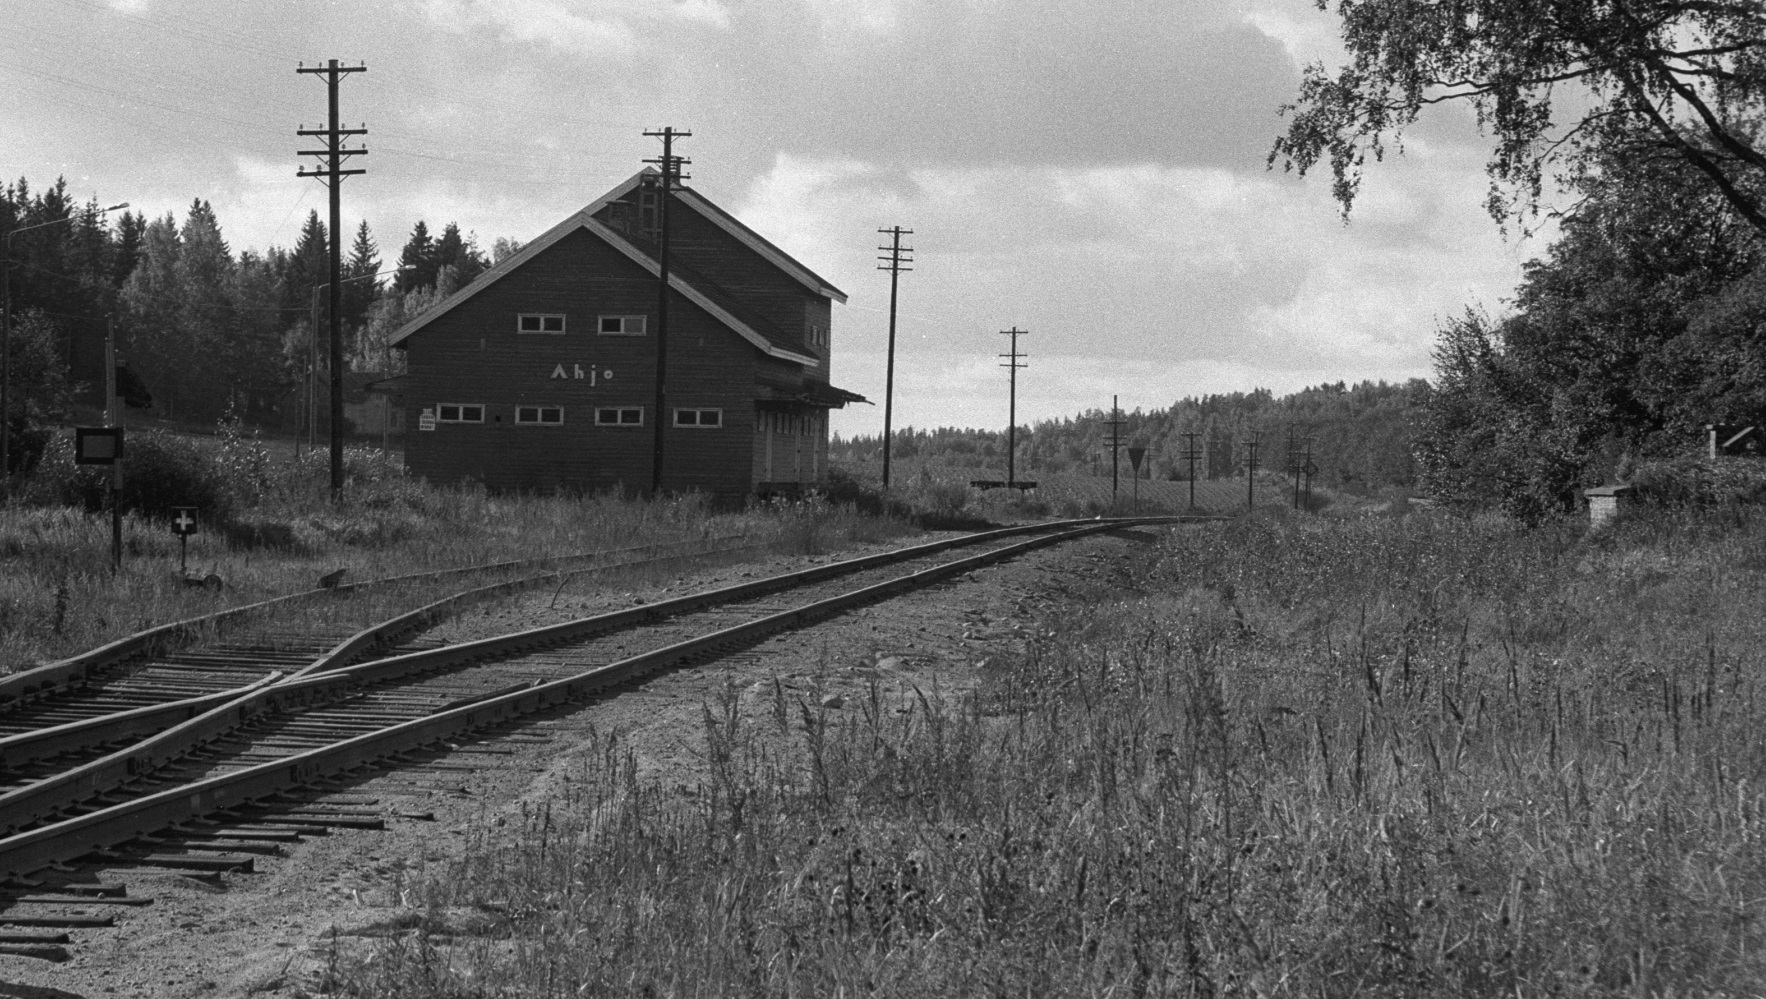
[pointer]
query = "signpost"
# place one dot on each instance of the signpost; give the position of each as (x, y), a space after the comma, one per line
(1135, 454)
(104, 446)
(184, 525)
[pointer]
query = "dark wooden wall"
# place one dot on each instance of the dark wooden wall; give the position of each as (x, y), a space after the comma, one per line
(474, 355)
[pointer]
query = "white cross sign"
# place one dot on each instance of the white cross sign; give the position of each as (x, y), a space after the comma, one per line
(184, 523)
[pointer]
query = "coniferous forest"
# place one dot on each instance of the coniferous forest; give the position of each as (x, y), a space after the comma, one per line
(202, 330)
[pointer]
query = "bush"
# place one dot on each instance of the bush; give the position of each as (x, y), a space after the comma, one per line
(1697, 481)
(160, 471)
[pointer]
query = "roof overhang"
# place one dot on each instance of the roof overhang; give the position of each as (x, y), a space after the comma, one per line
(808, 393)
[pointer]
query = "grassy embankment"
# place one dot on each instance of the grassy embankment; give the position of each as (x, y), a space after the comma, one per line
(58, 595)
(1393, 757)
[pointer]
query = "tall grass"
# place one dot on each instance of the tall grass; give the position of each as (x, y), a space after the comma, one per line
(1299, 757)
(59, 596)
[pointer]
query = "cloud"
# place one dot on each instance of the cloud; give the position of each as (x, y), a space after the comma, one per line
(961, 81)
(607, 28)
(1151, 275)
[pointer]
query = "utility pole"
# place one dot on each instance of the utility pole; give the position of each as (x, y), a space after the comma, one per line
(1012, 365)
(113, 418)
(332, 172)
(1294, 462)
(671, 175)
(898, 260)
(1191, 452)
(1251, 447)
(1308, 469)
(1115, 423)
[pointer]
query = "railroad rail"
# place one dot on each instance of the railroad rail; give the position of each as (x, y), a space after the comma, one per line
(288, 732)
(26, 686)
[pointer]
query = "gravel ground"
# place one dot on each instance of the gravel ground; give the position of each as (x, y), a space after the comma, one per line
(266, 933)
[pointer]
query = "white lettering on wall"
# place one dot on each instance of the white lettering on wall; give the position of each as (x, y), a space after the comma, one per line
(577, 372)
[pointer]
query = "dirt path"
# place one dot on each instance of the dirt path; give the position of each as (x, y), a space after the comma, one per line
(265, 933)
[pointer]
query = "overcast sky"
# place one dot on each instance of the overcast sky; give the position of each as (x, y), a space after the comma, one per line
(1092, 173)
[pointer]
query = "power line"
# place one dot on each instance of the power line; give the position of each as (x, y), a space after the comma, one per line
(898, 260)
(671, 175)
(333, 172)
(1013, 364)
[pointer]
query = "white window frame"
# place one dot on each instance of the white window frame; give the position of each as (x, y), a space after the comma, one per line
(625, 324)
(619, 411)
(698, 417)
(459, 409)
(522, 318)
(818, 335)
(539, 416)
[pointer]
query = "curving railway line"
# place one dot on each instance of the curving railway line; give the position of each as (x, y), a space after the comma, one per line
(208, 779)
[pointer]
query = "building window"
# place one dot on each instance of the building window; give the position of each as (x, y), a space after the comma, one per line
(626, 416)
(537, 322)
(539, 416)
(818, 335)
(622, 325)
(699, 417)
(459, 412)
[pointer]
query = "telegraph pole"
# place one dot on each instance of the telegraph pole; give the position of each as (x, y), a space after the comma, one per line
(898, 260)
(1251, 447)
(1294, 462)
(671, 174)
(332, 172)
(1190, 453)
(1012, 365)
(1115, 423)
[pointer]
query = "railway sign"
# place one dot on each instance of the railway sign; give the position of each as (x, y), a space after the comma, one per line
(98, 445)
(1135, 454)
(426, 420)
(184, 525)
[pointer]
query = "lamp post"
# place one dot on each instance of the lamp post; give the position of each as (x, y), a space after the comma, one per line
(6, 334)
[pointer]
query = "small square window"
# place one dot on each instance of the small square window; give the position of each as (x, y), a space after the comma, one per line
(539, 322)
(622, 325)
(624, 416)
(539, 416)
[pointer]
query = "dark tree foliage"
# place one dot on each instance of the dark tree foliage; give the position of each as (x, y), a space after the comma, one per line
(1684, 78)
(443, 265)
(417, 261)
(1644, 322)
(360, 271)
(308, 267)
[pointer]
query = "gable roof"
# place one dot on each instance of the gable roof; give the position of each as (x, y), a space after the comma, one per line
(689, 284)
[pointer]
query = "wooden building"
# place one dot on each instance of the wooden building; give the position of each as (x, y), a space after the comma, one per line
(541, 374)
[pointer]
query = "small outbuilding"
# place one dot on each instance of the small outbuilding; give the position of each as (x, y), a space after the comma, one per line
(1605, 503)
(542, 373)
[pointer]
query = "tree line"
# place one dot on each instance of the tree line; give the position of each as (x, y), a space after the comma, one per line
(205, 330)
(1358, 437)
(1646, 318)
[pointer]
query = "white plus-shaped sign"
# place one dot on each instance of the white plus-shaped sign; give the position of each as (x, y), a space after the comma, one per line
(184, 523)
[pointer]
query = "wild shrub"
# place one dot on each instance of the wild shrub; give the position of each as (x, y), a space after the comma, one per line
(1700, 481)
(161, 470)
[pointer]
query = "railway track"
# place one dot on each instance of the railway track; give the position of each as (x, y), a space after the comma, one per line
(194, 795)
(98, 700)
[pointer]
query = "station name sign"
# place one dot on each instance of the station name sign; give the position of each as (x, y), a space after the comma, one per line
(577, 372)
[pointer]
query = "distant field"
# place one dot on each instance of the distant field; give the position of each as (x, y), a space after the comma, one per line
(1062, 488)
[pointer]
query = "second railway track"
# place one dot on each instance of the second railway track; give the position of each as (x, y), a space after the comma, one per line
(289, 732)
